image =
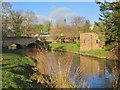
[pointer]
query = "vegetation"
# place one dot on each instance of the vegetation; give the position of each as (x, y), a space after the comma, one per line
(56, 72)
(17, 71)
(116, 81)
(100, 52)
(21, 23)
(65, 47)
(81, 24)
(110, 17)
(76, 24)
(70, 29)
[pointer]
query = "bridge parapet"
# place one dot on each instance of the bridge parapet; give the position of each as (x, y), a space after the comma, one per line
(23, 41)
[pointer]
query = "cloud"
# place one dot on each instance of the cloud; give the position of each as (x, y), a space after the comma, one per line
(53, 6)
(61, 12)
(57, 14)
(43, 18)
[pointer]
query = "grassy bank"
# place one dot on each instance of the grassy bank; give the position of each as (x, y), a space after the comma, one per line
(17, 71)
(65, 47)
(100, 52)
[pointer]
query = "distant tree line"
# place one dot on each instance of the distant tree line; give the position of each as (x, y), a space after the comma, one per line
(21, 23)
(71, 28)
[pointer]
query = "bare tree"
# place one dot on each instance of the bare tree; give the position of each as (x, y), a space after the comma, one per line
(60, 24)
(81, 24)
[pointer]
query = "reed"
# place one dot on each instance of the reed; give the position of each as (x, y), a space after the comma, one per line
(55, 69)
(116, 71)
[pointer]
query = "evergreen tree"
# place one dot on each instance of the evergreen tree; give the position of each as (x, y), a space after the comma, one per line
(111, 18)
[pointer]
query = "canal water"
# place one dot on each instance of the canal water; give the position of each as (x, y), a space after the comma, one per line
(84, 71)
(97, 73)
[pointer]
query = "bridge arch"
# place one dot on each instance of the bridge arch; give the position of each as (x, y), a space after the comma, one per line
(31, 45)
(18, 46)
(19, 41)
(15, 46)
(22, 42)
(35, 45)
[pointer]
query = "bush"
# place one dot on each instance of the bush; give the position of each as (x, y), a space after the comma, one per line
(109, 47)
(78, 43)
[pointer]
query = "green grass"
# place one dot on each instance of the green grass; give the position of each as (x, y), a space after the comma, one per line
(65, 47)
(99, 52)
(16, 71)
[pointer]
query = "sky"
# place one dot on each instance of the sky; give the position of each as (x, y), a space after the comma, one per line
(60, 10)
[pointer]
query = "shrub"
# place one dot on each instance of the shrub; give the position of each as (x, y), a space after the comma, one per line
(78, 43)
(109, 47)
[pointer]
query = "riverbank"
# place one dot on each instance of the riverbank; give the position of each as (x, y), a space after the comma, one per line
(68, 47)
(74, 48)
(101, 53)
(17, 70)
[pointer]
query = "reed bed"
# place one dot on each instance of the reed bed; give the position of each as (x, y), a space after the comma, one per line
(56, 70)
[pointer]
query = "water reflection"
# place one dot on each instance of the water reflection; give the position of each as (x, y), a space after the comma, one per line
(99, 73)
(85, 71)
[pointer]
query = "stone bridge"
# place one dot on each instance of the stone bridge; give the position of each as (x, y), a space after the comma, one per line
(21, 41)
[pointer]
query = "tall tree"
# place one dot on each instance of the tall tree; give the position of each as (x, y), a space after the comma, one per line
(111, 18)
(6, 11)
(29, 24)
(16, 22)
(47, 26)
(86, 27)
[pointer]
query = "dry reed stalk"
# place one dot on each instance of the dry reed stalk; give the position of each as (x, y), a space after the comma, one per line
(58, 67)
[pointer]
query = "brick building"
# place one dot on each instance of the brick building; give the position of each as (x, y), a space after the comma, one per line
(89, 41)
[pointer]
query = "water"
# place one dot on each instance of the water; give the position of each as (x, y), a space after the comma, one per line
(97, 73)
(93, 73)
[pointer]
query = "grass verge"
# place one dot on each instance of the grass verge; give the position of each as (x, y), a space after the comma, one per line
(16, 71)
(100, 52)
(65, 47)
